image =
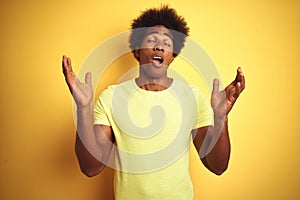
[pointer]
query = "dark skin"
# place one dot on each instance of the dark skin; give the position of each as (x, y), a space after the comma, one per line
(212, 142)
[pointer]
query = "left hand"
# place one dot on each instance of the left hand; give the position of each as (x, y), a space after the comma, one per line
(223, 101)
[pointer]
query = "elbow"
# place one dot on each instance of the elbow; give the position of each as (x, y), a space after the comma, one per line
(220, 169)
(219, 172)
(91, 172)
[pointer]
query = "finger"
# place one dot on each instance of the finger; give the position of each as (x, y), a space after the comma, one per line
(239, 88)
(239, 76)
(66, 61)
(88, 78)
(215, 86)
(68, 72)
(65, 64)
(242, 79)
(234, 82)
(233, 95)
(69, 62)
(240, 84)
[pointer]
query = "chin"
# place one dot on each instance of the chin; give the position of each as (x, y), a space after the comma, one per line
(154, 72)
(157, 74)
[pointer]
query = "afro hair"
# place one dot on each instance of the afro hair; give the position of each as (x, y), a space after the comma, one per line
(165, 16)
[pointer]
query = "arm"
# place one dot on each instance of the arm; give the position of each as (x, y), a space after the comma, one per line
(93, 142)
(212, 142)
(214, 147)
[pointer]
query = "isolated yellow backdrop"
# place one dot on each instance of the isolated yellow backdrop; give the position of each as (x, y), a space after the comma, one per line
(37, 159)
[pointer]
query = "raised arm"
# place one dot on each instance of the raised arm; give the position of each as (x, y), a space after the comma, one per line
(212, 142)
(93, 142)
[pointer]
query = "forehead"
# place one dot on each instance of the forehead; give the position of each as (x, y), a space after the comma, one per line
(159, 29)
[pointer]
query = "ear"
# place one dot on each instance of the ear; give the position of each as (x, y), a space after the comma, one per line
(171, 59)
(137, 53)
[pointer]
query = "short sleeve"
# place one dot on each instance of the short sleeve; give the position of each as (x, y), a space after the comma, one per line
(205, 113)
(101, 109)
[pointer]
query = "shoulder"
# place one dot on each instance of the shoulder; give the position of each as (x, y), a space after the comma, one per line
(108, 92)
(190, 92)
(184, 86)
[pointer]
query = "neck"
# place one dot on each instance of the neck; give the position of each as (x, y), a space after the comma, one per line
(154, 84)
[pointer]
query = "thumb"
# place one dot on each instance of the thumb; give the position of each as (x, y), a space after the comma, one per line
(88, 78)
(215, 86)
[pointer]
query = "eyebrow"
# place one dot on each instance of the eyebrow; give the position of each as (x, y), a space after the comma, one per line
(156, 32)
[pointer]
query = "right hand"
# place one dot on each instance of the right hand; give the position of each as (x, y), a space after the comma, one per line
(81, 92)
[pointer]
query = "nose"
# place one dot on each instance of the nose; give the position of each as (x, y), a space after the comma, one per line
(158, 47)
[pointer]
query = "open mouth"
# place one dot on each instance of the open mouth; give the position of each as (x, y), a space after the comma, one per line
(158, 60)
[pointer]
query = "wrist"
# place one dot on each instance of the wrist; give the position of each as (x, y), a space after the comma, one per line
(220, 119)
(84, 108)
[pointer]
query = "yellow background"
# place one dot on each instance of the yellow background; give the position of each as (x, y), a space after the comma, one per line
(37, 159)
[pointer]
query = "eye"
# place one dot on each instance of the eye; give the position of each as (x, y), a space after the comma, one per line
(151, 40)
(167, 44)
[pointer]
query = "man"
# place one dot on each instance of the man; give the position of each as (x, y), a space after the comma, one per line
(152, 162)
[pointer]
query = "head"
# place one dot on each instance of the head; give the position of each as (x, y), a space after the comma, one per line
(163, 17)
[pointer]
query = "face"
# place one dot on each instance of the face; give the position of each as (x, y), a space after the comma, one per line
(156, 52)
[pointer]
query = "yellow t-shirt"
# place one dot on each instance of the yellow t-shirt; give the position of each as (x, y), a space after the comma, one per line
(152, 133)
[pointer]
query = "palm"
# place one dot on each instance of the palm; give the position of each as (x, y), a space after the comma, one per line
(223, 101)
(219, 103)
(82, 92)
